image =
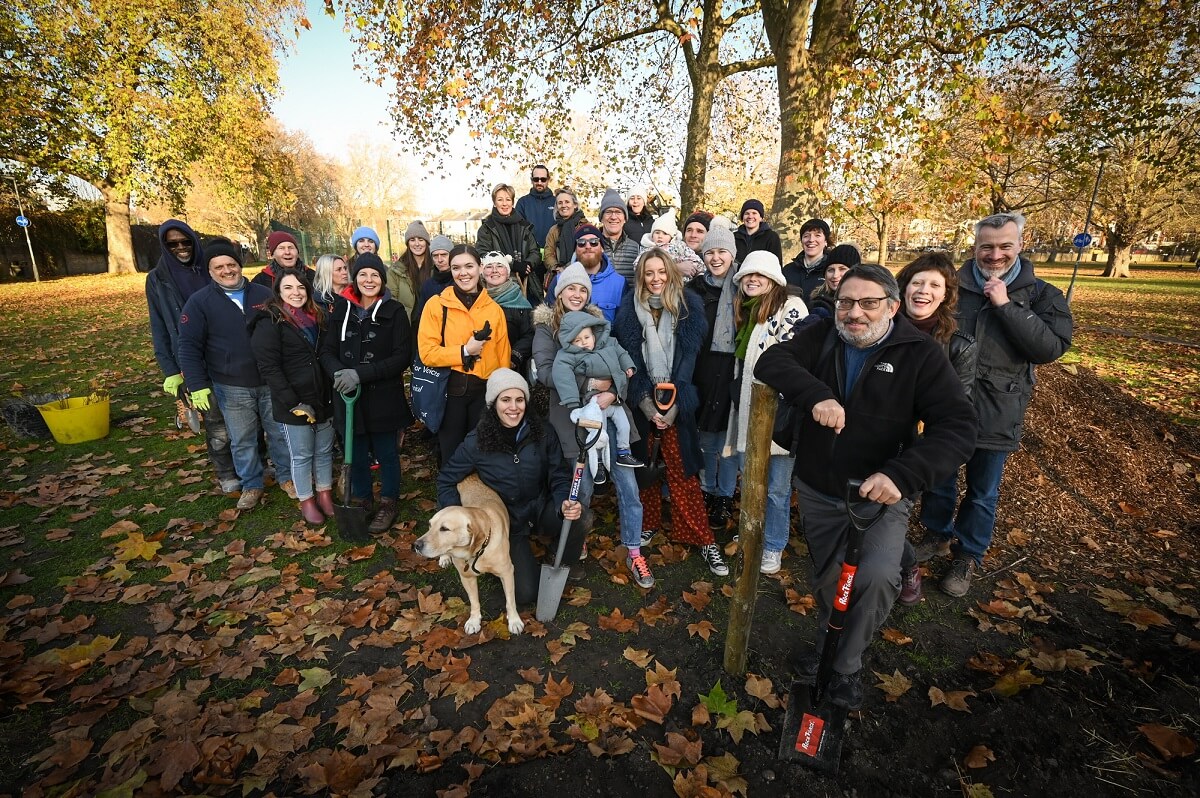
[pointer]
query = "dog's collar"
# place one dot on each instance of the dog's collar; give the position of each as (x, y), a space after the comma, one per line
(479, 553)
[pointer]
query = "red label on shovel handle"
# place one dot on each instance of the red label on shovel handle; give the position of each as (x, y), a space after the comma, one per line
(841, 600)
(808, 741)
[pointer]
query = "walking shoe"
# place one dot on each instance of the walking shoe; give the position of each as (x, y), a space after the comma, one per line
(957, 580)
(647, 537)
(311, 512)
(910, 585)
(249, 499)
(384, 516)
(805, 665)
(771, 562)
(711, 554)
(641, 571)
(845, 690)
(576, 573)
(718, 512)
(325, 502)
(289, 488)
(229, 486)
(626, 458)
(932, 546)
(601, 475)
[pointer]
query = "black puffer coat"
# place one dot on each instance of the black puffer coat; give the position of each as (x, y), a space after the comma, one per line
(715, 371)
(512, 235)
(378, 346)
(290, 365)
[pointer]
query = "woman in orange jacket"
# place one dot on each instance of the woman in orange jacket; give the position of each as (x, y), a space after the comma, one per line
(464, 329)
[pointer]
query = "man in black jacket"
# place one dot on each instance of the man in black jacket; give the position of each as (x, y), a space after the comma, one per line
(1018, 321)
(860, 382)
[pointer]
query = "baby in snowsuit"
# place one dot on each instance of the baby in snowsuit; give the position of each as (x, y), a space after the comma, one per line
(665, 234)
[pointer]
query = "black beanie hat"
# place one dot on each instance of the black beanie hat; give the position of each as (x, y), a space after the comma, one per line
(845, 254)
(703, 217)
(221, 246)
(752, 205)
(816, 224)
(367, 260)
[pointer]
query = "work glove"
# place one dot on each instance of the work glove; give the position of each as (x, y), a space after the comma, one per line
(345, 380)
(305, 411)
(202, 399)
(172, 384)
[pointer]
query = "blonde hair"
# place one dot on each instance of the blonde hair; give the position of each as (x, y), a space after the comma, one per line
(512, 193)
(672, 295)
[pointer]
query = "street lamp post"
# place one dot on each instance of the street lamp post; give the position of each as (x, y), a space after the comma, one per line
(1087, 222)
(25, 227)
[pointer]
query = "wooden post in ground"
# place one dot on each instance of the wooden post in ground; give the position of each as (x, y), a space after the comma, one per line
(750, 525)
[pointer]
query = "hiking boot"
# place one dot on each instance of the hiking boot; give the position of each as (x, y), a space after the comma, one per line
(805, 665)
(325, 502)
(289, 488)
(772, 561)
(626, 458)
(845, 690)
(957, 580)
(601, 475)
(384, 516)
(932, 546)
(311, 512)
(910, 585)
(711, 554)
(718, 512)
(249, 499)
(641, 571)
(647, 537)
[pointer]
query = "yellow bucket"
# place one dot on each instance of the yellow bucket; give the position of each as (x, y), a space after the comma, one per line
(77, 419)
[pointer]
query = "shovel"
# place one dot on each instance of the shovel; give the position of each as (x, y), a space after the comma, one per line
(351, 519)
(554, 577)
(654, 470)
(188, 414)
(813, 729)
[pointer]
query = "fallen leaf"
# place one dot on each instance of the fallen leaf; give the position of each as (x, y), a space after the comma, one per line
(1015, 680)
(703, 629)
(897, 637)
(978, 757)
(314, 678)
(955, 699)
(763, 689)
(893, 686)
(679, 752)
(742, 722)
(638, 657)
(1169, 743)
(616, 622)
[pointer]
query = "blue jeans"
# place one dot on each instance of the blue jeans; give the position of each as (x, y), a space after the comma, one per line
(311, 448)
(777, 528)
(719, 474)
(383, 445)
(246, 411)
(976, 513)
(629, 505)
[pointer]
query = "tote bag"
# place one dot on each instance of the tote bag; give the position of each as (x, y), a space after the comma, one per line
(429, 384)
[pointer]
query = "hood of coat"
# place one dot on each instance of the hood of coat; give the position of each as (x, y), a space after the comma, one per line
(574, 323)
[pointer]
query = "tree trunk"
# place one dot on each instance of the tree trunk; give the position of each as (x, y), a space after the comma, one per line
(116, 226)
(1118, 259)
(695, 160)
(883, 233)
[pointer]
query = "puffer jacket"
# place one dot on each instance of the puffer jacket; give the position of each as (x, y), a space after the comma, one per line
(607, 360)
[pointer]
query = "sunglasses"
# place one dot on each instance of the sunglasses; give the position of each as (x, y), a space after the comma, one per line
(588, 242)
(539, 179)
(185, 244)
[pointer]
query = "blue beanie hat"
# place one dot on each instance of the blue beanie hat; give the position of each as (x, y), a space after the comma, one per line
(364, 232)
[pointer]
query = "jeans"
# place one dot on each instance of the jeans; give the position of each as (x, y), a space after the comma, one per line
(311, 448)
(216, 438)
(629, 505)
(779, 502)
(719, 475)
(383, 446)
(246, 411)
(976, 513)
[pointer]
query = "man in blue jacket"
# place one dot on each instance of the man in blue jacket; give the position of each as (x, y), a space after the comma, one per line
(179, 274)
(607, 286)
(537, 207)
(214, 351)
(1018, 321)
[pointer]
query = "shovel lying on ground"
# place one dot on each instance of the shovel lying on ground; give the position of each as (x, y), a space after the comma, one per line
(352, 519)
(554, 577)
(813, 728)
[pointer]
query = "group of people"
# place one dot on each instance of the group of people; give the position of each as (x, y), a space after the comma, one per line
(656, 332)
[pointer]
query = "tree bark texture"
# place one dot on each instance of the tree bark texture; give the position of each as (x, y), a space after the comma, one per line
(1119, 255)
(116, 226)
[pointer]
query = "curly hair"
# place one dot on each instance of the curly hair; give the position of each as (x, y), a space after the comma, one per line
(934, 262)
(489, 435)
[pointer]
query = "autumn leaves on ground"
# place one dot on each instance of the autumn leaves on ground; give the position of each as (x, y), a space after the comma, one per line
(153, 641)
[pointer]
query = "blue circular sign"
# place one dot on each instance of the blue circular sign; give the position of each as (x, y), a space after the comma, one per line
(22, 221)
(1082, 240)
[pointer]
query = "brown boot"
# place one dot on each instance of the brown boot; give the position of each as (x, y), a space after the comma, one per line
(311, 512)
(325, 501)
(384, 516)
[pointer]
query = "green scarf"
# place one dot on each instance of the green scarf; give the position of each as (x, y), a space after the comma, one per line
(509, 295)
(750, 308)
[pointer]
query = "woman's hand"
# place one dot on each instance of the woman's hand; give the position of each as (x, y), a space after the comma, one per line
(571, 511)
(605, 399)
(660, 421)
(598, 384)
(473, 346)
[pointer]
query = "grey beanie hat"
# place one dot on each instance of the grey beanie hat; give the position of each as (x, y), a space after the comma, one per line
(612, 199)
(416, 230)
(574, 274)
(718, 237)
(440, 243)
(500, 381)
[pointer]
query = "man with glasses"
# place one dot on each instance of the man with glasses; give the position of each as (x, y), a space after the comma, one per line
(622, 250)
(607, 285)
(1018, 322)
(537, 207)
(179, 274)
(860, 383)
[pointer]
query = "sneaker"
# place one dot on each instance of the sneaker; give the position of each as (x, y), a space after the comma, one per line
(910, 585)
(805, 665)
(641, 571)
(771, 562)
(626, 458)
(384, 516)
(957, 580)
(718, 512)
(845, 690)
(647, 537)
(229, 486)
(601, 476)
(583, 552)
(289, 488)
(932, 546)
(249, 499)
(711, 554)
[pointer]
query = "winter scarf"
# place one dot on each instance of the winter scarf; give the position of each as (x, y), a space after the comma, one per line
(566, 236)
(1009, 277)
(658, 340)
(509, 295)
(306, 322)
(723, 339)
(750, 307)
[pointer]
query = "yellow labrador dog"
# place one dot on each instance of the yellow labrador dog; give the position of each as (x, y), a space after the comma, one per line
(474, 536)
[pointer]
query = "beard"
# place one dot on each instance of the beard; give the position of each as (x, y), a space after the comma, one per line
(868, 337)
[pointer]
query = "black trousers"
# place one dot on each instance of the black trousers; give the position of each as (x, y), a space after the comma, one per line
(526, 569)
(462, 414)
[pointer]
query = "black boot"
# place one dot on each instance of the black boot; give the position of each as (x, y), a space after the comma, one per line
(718, 512)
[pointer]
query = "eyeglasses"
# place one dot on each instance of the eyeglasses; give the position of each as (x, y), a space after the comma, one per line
(545, 179)
(588, 242)
(184, 244)
(866, 303)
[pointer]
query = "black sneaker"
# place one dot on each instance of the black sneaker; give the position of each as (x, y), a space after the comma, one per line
(718, 512)
(641, 571)
(845, 690)
(626, 458)
(601, 476)
(647, 537)
(711, 554)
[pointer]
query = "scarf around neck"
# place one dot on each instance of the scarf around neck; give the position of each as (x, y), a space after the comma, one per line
(509, 295)
(658, 340)
(306, 322)
(743, 334)
(724, 334)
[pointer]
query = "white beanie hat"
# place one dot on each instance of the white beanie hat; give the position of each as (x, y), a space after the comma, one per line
(502, 380)
(764, 263)
(639, 191)
(666, 223)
